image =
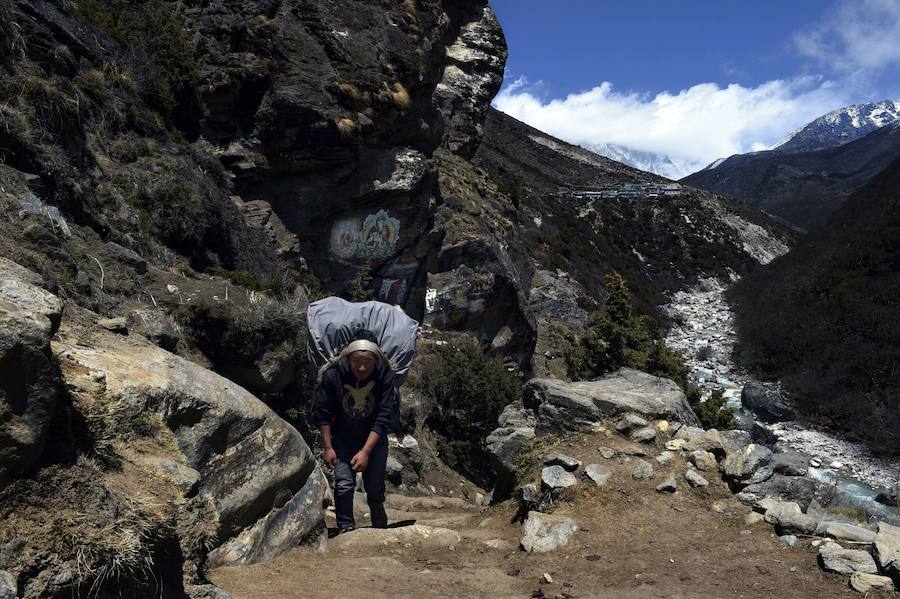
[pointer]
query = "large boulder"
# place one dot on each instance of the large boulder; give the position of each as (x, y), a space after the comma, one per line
(741, 466)
(563, 406)
(781, 488)
(834, 558)
(29, 316)
(770, 405)
(256, 469)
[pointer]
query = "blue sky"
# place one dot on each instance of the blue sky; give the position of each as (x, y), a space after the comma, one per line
(695, 79)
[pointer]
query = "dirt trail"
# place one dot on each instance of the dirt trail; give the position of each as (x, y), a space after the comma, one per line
(633, 542)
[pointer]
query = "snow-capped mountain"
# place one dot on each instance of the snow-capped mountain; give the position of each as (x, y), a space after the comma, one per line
(650, 162)
(840, 126)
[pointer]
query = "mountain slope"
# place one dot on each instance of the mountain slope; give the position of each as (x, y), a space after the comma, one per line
(805, 187)
(823, 318)
(840, 126)
(574, 236)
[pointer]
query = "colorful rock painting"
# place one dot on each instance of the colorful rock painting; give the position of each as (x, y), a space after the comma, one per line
(371, 238)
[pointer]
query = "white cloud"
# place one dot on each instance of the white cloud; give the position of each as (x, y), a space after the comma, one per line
(855, 35)
(696, 125)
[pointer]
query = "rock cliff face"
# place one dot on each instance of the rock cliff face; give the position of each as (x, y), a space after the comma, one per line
(332, 113)
(183, 176)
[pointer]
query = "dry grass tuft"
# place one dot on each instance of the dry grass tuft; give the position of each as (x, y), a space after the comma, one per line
(347, 128)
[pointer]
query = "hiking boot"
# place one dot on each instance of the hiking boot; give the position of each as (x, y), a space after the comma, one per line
(379, 516)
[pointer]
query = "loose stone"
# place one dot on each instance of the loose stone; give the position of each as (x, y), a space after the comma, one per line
(560, 459)
(556, 477)
(695, 479)
(669, 485)
(597, 473)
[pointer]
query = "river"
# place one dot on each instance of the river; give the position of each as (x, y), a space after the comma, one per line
(704, 331)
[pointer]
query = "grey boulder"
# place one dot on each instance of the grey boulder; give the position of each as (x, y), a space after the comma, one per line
(846, 561)
(740, 466)
(780, 488)
(695, 479)
(887, 549)
(866, 583)
(845, 532)
(668, 485)
(791, 463)
(257, 470)
(515, 431)
(769, 405)
(562, 406)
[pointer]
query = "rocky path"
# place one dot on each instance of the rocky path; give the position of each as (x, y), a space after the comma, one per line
(705, 332)
(633, 541)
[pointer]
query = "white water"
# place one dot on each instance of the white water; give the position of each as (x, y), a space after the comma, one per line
(704, 321)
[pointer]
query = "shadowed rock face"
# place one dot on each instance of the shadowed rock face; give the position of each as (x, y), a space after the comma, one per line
(29, 316)
(331, 111)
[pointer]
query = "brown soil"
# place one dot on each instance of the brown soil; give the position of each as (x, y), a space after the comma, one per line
(633, 542)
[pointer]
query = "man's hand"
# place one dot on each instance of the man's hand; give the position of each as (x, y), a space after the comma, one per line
(330, 458)
(360, 461)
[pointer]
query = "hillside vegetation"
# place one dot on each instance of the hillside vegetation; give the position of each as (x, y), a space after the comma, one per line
(823, 318)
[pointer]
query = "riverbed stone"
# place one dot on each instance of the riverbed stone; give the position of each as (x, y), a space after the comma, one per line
(762, 475)
(545, 532)
(741, 465)
(796, 523)
(597, 473)
(863, 582)
(845, 532)
(791, 463)
(888, 496)
(556, 477)
(703, 460)
(770, 405)
(834, 558)
(556, 458)
(887, 549)
(779, 488)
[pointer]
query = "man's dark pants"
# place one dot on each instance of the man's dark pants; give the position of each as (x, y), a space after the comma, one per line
(345, 482)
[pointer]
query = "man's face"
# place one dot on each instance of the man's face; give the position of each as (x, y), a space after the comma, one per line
(362, 363)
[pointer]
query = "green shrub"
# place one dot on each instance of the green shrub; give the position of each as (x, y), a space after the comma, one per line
(618, 336)
(712, 412)
(470, 390)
